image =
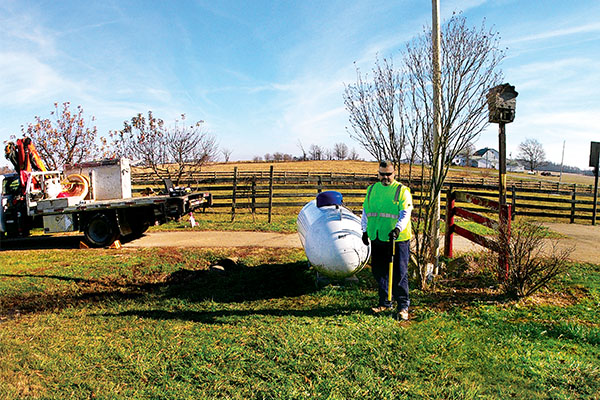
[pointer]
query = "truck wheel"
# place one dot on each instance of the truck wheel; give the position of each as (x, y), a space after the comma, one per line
(101, 231)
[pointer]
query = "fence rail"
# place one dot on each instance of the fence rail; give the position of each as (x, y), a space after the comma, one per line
(310, 177)
(272, 190)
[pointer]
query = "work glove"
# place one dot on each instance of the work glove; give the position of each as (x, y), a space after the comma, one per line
(365, 238)
(394, 234)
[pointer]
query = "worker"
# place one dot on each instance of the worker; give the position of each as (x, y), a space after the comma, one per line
(386, 219)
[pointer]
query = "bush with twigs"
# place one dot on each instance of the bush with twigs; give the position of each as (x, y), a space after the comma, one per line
(533, 259)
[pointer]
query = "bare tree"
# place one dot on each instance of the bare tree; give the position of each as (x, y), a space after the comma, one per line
(226, 153)
(169, 152)
(66, 138)
(532, 153)
(353, 155)
(304, 155)
(315, 152)
(467, 153)
(377, 115)
(328, 154)
(393, 115)
(340, 151)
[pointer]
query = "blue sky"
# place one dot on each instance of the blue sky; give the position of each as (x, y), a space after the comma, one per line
(268, 75)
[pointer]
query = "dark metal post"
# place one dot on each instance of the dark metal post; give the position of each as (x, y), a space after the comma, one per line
(595, 195)
(253, 195)
(573, 201)
(234, 193)
(270, 193)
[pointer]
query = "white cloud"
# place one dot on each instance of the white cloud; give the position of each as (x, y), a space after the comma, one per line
(557, 33)
(24, 79)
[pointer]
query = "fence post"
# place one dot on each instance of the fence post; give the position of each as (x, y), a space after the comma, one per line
(270, 192)
(234, 192)
(505, 217)
(573, 206)
(319, 185)
(448, 242)
(513, 203)
(253, 195)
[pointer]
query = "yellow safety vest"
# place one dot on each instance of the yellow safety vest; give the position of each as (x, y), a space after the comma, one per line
(383, 205)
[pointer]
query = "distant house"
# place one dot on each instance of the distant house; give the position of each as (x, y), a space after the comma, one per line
(479, 162)
(485, 158)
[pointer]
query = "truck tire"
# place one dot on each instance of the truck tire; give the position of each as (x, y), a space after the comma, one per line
(101, 230)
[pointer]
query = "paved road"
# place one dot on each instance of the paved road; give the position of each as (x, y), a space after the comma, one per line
(585, 239)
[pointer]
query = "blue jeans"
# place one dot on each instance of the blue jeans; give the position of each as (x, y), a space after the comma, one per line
(380, 262)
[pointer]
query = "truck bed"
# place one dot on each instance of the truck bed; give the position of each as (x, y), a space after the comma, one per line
(74, 205)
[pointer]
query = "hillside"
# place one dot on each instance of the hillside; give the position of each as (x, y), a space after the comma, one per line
(370, 167)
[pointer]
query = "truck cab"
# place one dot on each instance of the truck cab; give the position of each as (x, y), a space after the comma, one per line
(12, 207)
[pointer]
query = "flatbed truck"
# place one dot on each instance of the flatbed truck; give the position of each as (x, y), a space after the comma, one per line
(107, 212)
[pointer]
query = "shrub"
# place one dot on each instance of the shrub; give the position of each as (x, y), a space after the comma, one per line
(533, 259)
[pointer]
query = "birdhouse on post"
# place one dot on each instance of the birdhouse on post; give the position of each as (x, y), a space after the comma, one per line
(502, 103)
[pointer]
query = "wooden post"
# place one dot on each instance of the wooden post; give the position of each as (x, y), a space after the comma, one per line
(448, 242)
(505, 214)
(513, 203)
(234, 192)
(270, 193)
(502, 166)
(573, 206)
(319, 185)
(253, 195)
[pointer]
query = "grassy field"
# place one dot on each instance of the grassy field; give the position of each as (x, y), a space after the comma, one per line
(157, 323)
(370, 167)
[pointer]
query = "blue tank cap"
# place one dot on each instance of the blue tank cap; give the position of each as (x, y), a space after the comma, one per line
(329, 198)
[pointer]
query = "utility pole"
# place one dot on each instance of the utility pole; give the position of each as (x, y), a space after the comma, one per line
(436, 173)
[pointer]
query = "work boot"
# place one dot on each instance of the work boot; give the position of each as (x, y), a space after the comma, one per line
(380, 309)
(403, 315)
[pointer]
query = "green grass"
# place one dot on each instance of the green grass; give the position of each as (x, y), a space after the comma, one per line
(243, 221)
(156, 323)
(286, 223)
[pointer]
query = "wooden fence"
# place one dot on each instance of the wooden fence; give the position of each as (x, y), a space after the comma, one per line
(266, 191)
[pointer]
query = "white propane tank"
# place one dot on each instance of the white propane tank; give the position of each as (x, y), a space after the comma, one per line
(332, 237)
